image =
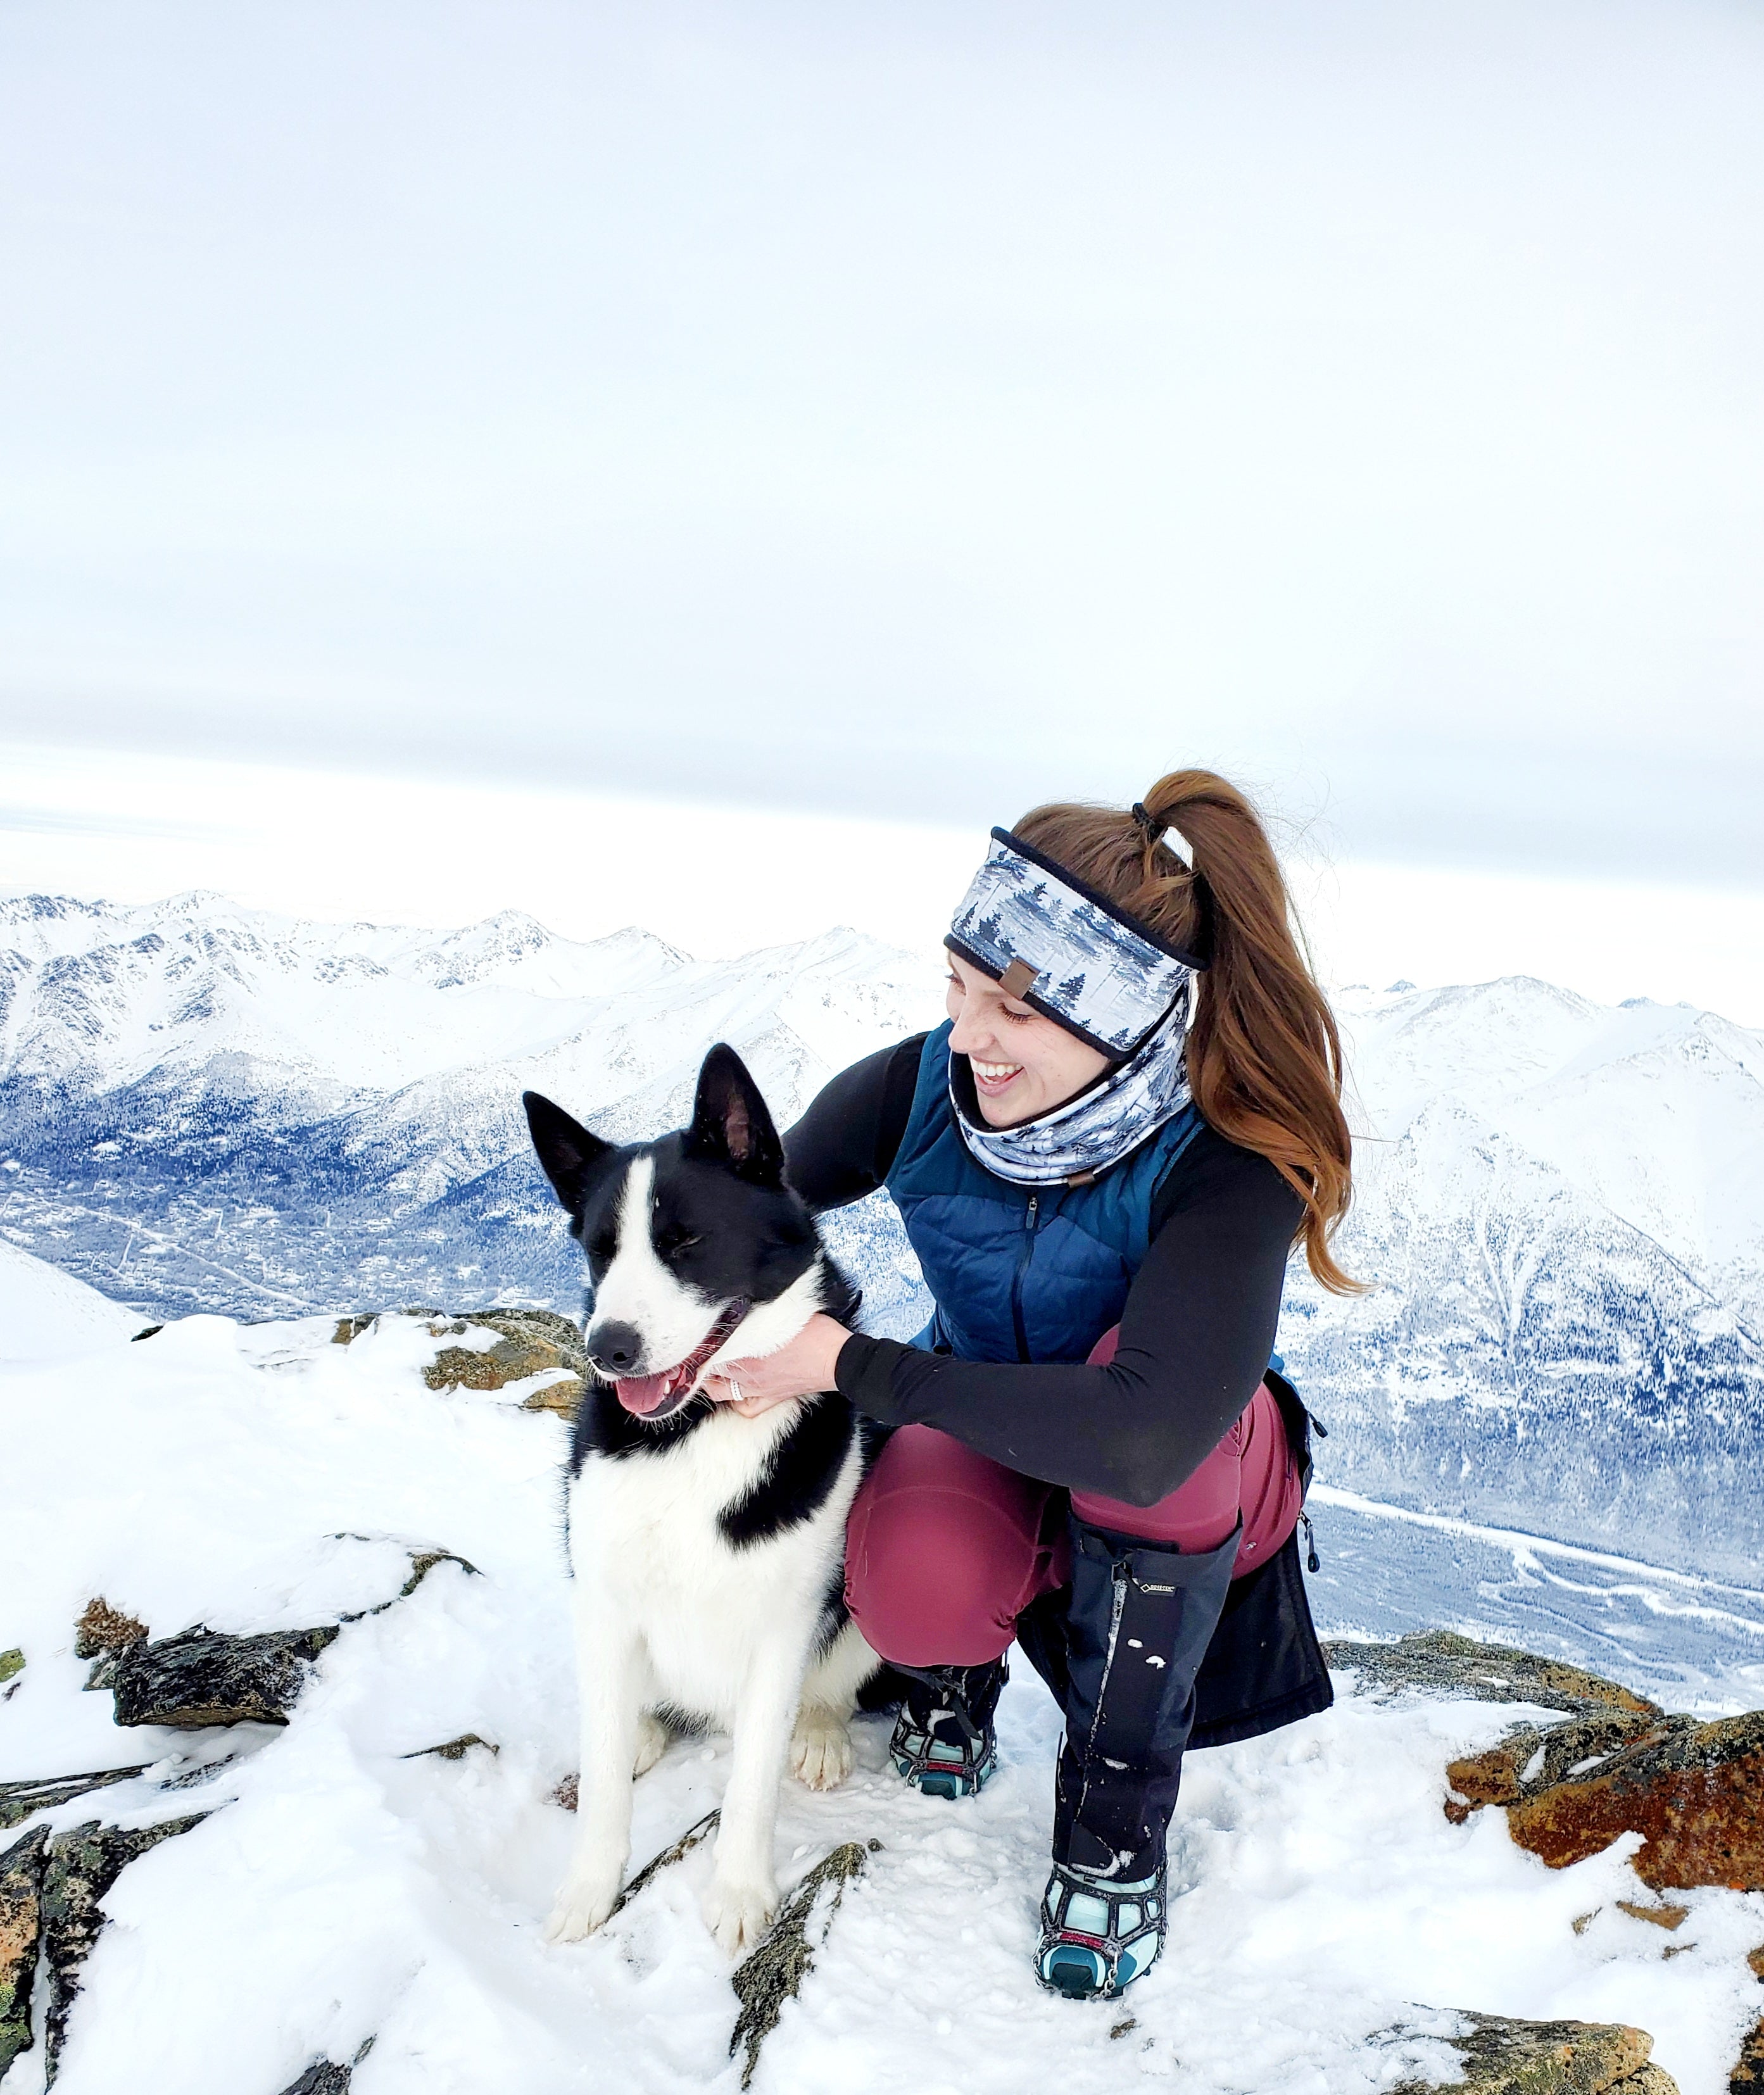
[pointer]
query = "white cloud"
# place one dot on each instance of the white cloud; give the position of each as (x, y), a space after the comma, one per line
(910, 407)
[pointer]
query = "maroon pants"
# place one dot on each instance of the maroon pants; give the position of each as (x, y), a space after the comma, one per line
(946, 1548)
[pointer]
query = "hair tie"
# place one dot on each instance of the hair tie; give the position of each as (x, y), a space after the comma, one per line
(1160, 830)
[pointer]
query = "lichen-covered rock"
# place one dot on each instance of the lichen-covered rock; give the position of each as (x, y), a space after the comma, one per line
(423, 1561)
(775, 1972)
(325, 2077)
(201, 1676)
(11, 1664)
(102, 1628)
(1746, 2078)
(1694, 1791)
(1439, 1661)
(1670, 1918)
(81, 1867)
(1504, 2057)
(528, 1342)
(21, 1899)
(563, 1397)
(1533, 1758)
(19, 1800)
(204, 1677)
(452, 1750)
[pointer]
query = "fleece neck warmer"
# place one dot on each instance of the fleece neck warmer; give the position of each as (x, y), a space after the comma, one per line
(1088, 1134)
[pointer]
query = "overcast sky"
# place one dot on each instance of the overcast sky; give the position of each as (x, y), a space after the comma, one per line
(907, 411)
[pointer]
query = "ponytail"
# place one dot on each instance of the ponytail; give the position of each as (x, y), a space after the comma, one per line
(1264, 1055)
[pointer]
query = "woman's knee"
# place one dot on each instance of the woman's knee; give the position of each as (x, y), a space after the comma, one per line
(941, 1555)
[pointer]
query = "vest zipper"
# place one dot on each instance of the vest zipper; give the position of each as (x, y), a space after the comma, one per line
(1025, 1252)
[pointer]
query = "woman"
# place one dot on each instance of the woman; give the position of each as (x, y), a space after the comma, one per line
(1103, 1162)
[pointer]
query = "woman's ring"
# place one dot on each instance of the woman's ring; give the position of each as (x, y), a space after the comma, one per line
(735, 1389)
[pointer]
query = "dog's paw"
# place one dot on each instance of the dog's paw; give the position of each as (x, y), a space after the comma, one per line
(821, 1749)
(652, 1739)
(582, 1904)
(739, 1915)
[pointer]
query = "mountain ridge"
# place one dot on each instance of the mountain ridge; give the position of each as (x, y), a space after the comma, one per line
(1562, 1202)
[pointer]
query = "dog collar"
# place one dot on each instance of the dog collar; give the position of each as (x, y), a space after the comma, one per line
(1054, 943)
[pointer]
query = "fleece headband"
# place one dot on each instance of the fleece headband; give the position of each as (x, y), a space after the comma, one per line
(1053, 942)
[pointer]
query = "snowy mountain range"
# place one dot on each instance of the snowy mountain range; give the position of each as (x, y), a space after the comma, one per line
(1562, 1205)
(204, 1107)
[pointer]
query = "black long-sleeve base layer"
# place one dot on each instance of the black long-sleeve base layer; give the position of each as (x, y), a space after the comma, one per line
(1195, 1334)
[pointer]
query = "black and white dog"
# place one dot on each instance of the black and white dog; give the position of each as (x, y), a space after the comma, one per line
(707, 1548)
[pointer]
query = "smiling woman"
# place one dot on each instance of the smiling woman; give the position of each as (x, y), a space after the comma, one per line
(1103, 1161)
(1022, 1064)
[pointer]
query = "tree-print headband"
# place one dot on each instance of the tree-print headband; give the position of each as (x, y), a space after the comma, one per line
(1053, 942)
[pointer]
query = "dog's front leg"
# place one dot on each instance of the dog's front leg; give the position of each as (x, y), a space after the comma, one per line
(742, 1894)
(612, 1678)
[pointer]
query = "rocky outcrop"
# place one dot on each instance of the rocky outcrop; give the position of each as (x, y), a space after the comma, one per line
(1748, 2075)
(11, 1664)
(528, 1342)
(103, 1633)
(1504, 2057)
(21, 1917)
(204, 1677)
(325, 2077)
(1618, 1764)
(1439, 1662)
(19, 1799)
(1695, 1791)
(80, 1868)
(775, 1972)
(451, 1749)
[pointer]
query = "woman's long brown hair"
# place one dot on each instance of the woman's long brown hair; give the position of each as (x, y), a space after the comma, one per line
(1264, 1055)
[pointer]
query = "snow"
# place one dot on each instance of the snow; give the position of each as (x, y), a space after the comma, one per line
(262, 1476)
(45, 1311)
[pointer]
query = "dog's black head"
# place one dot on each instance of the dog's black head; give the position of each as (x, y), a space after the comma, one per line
(685, 1238)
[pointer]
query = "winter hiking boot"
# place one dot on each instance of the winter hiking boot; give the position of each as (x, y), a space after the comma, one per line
(944, 1742)
(1139, 1621)
(1098, 1935)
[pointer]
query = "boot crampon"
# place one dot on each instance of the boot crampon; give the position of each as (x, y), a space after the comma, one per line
(944, 1741)
(1097, 1934)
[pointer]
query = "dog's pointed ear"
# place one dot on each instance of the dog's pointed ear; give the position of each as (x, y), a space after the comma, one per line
(566, 1149)
(730, 1124)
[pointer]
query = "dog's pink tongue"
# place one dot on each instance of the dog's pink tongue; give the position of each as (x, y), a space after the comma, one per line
(643, 1394)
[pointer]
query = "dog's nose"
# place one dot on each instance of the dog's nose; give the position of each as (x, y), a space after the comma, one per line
(616, 1349)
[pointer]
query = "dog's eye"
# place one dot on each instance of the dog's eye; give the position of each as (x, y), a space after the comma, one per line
(672, 1241)
(600, 1252)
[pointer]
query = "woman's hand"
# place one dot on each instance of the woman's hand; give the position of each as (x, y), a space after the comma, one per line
(803, 1368)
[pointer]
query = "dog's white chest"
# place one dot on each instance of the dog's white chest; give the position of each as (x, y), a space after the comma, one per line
(645, 1543)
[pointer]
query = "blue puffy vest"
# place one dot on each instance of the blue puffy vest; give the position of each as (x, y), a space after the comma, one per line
(1021, 1273)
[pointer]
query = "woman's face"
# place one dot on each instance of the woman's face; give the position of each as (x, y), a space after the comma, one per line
(1023, 1064)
